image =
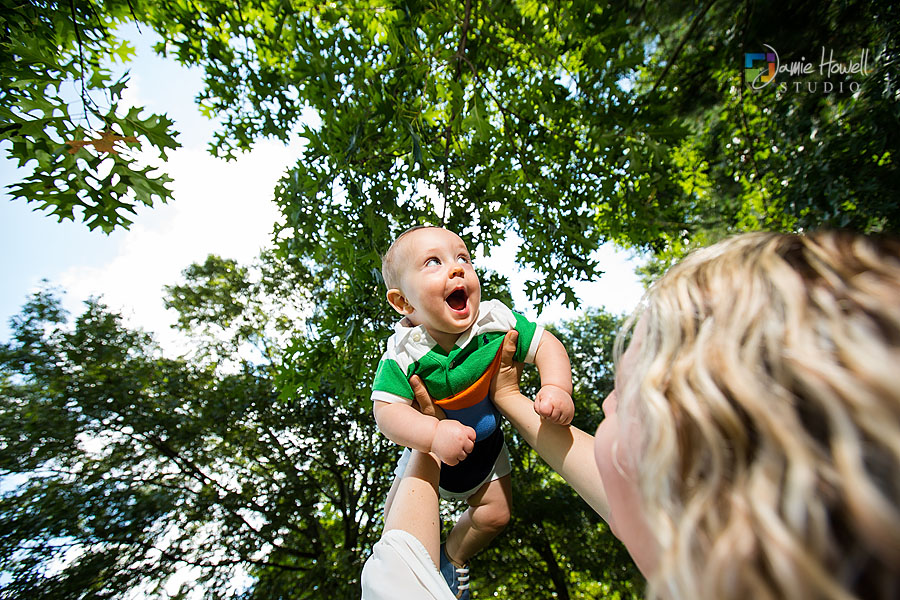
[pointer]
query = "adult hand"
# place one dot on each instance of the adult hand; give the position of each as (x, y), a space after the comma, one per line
(452, 441)
(505, 385)
(423, 400)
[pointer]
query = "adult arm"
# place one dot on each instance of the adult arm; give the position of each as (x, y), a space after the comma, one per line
(413, 506)
(568, 450)
(398, 568)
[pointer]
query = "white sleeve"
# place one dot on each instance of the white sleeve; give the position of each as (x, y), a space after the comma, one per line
(535, 342)
(400, 567)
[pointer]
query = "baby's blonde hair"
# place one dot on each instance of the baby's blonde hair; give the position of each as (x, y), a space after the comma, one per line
(767, 396)
(391, 267)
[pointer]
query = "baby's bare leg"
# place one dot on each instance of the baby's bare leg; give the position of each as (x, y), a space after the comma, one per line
(487, 515)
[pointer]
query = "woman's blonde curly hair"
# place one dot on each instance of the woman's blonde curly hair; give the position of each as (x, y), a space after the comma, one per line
(767, 396)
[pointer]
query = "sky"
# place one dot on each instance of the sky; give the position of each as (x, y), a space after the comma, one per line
(218, 207)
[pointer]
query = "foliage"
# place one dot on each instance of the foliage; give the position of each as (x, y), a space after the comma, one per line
(789, 156)
(555, 545)
(571, 123)
(472, 116)
(130, 467)
(122, 468)
(54, 63)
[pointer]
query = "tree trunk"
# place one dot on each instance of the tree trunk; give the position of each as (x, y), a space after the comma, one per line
(557, 575)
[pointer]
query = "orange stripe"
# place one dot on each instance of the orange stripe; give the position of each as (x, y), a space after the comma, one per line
(476, 392)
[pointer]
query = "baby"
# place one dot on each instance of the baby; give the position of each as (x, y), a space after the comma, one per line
(451, 340)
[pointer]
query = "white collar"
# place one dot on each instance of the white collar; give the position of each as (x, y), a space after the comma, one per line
(417, 338)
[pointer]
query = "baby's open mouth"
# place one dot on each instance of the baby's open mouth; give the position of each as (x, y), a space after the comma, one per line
(458, 299)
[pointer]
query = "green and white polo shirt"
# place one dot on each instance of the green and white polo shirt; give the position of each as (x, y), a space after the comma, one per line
(449, 376)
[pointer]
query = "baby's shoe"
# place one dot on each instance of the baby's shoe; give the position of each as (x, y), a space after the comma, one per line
(456, 577)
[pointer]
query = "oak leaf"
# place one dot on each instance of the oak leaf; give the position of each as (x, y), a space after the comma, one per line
(105, 143)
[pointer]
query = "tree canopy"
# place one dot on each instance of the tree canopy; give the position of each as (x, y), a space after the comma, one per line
(570, 123)
(124, 470)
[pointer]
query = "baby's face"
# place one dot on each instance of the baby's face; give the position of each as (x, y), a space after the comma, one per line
(438, 281)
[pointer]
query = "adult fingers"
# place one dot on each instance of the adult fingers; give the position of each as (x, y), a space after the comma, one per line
(509, 348)
(424, 400)
(506, 381)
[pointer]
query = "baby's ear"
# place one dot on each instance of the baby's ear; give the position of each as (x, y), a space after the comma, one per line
(396, 299)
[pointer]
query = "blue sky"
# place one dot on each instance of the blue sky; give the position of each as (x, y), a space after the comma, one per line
(218, 207)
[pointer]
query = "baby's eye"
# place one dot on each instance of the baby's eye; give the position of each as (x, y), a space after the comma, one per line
(463, 259)
(433, 262)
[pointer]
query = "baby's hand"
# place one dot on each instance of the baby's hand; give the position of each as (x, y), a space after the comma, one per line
(452, 441)
(554, 404)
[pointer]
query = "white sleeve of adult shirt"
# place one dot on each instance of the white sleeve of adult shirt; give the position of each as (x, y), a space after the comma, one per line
(400, 567)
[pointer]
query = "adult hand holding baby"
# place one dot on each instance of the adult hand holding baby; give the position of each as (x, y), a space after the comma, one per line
(453, 441)
(552, 402)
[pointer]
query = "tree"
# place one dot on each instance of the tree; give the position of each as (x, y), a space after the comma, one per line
(54, 64)
(571, 123)
(132, 467)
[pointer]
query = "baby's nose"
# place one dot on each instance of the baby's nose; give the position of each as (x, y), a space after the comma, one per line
(456, 271)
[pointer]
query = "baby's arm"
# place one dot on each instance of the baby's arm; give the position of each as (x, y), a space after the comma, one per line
(554, 400)
(449, 440)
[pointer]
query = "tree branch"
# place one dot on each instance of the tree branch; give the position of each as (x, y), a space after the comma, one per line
(505, 110)
(684, 39)
(84, 94)
(557, 576)
(196, 473)
(746, 126)
(448, 131)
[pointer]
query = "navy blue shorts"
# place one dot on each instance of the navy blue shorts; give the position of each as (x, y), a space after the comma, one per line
(472, 471)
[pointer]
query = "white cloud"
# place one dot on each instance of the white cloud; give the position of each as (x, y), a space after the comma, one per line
(227, 209)
(218, 207)
(617, 289)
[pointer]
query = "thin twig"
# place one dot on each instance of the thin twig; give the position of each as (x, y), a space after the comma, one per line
(681, 44)
(134, 16)
(84, 94)
(460, 55)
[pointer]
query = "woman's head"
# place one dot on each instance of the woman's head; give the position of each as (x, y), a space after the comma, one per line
(762, 406)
